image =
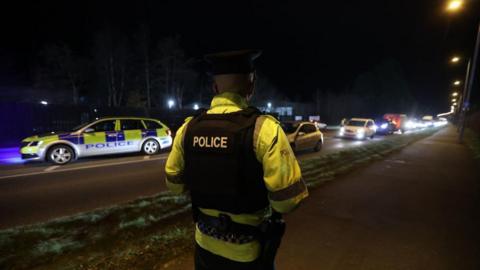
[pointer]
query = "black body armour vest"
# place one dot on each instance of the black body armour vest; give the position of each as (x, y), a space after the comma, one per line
(221, 169)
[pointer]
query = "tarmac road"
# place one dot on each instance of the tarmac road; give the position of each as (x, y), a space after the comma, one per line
(37, 192)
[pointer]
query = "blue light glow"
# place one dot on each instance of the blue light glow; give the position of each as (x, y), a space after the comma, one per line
(10, 155)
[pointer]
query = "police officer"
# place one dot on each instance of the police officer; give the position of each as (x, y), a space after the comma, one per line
(237, 165)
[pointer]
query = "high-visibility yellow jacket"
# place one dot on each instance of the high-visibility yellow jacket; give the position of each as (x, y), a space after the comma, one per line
(282, 177)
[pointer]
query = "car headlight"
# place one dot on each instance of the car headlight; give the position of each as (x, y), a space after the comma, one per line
(35, 143)
(360, 131)
(342, 130)
(384, 126)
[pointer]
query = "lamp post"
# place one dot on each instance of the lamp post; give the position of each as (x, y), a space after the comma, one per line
(170, 103)
(454, 6)
(455, 59)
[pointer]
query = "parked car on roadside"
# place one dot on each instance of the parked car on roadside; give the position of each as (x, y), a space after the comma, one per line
(303, 135)
(101, 137)
(358, 128)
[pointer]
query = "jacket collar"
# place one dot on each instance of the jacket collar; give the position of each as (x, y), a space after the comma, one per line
(229, 99)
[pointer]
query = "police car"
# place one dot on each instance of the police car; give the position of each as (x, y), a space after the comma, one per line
(101, 137)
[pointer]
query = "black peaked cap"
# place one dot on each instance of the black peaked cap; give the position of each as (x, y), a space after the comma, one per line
(233, 61)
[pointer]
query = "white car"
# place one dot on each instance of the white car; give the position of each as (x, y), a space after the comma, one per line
(358, 128)
(303, 135)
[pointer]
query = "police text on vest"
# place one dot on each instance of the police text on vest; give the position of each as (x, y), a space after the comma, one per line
(210, 142)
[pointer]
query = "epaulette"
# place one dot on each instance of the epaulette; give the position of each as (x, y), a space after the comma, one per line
(271, 117)
(188, 119)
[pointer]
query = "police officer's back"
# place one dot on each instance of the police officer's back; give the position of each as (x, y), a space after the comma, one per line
(237, 165)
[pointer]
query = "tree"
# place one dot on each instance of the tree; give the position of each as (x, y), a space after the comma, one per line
(111, 61)
(61, 69)
(266, 91)
(384, 89)
(174, 68)
(143, 53)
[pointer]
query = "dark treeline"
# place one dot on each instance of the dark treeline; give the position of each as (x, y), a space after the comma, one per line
(133, 70)
(121, 70)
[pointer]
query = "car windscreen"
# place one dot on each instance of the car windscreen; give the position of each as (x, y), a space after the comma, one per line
(355, 123)
(289, 127)
(80, 126)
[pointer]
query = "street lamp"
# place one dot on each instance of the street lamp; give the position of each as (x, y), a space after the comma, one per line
(195, 106)
(457, 82)
(454, 5)
(170, 103)
(269, 105)
(454, 94)
(454, 100)
(44, 102)
(455, 59)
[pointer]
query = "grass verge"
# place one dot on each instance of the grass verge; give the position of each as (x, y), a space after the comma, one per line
(472, 140)
(323, 168)
(149, 232)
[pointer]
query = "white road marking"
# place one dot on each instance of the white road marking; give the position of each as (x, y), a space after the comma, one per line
(399, 161)
(146, 157)
(51, 168)
(81, 168)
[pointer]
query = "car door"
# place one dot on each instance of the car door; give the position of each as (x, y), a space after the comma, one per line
(304, 137)
(311, 136)
(300, 138)
(130, 136)
(100, 138)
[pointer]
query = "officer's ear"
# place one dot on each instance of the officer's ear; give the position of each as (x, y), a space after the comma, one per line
(252, 78)
(215, 88)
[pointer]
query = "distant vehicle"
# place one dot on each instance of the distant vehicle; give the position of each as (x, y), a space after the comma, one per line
(413, 124)
(102, 137)
(399, 120)
(358, 128)
(303, 135)
(385, 127)
(321, 125)
(427, 121)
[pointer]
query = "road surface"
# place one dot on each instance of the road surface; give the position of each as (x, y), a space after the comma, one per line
(36, 192)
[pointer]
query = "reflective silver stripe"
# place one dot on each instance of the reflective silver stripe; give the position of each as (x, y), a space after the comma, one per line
(175, 179)
(256, 132)
(183, 136)
(288, 192)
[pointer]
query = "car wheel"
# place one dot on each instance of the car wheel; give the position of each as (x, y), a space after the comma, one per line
(373, 136)
(318, 146)
(150, 147)
(60, 154)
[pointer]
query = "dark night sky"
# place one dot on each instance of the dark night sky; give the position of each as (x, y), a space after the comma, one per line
(307, 45)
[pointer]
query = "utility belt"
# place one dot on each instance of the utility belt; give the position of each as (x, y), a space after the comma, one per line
(269, 233)
(225, 229)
